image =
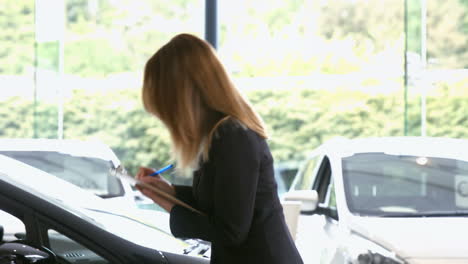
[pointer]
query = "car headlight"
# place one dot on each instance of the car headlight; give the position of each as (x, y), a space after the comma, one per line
(364, 251)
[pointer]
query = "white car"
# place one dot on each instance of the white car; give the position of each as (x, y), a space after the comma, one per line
(384, 200)
(85, 164)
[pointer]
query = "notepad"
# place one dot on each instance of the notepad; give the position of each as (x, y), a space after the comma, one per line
(120, 173)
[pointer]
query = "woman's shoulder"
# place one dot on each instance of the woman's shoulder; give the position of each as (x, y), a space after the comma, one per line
(231, 136)
(232, 133)
(230, 126)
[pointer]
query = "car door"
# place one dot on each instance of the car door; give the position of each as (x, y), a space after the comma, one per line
(327, 214)
(318, 230)
(23, 228)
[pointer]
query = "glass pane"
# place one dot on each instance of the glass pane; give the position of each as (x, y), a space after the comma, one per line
(377, 183)
(11, 228)
(332, 195)
(106, 46)
(306, 176)
(83, 60)
(447, 68)
(16, 68)
(447, 35)
(317, 69)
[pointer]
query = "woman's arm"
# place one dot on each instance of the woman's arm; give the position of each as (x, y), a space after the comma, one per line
(235, 156)
(185, 194)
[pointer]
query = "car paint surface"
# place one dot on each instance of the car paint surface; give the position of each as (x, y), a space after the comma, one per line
(418, 238)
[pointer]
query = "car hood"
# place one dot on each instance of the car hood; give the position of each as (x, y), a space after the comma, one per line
(436, 238)
(91, 207)
(119, 205)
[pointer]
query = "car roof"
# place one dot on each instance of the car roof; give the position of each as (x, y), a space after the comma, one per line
(415, 146)
(74, 147)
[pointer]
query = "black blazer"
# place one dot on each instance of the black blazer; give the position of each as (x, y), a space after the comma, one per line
(237, 190)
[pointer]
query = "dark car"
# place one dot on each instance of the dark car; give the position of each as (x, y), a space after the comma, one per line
(44, 219)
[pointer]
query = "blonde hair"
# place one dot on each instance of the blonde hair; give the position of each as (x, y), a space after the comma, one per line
(188, 89)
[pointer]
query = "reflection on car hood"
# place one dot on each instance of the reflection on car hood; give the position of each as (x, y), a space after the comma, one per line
(54, 189)
(79, 202)
(45, 185)
(417, 238)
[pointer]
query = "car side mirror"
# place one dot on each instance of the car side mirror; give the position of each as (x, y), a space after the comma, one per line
(308, 198)
(22, 253)
(327, 211)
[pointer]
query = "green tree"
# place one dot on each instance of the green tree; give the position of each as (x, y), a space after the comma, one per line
(118, 36)
(16, 36)
(371, 24)
(447, 37)
(297, 121)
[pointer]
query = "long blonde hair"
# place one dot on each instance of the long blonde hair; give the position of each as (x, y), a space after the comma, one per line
(188, 89)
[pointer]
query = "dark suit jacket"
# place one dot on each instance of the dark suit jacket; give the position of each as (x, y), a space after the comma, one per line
(237, 190)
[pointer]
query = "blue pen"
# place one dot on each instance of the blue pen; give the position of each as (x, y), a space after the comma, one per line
(161, 170)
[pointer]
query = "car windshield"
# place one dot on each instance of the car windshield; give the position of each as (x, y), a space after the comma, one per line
(89, 173)
(380, 184)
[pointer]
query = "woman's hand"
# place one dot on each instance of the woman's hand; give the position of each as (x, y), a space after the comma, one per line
(158, 182)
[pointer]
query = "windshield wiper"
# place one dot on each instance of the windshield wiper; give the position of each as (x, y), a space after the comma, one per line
(197, 247)
(428, 214)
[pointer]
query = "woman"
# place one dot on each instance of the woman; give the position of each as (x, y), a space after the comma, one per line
(219, 139)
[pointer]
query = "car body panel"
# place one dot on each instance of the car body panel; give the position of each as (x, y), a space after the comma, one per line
(418, 238)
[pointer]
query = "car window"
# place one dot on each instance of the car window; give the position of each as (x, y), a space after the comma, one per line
(322, 179)
(379, 183)
(16, 245)
(331, 198)
(306, 176)
(11, 227)
(288, 175)
(325, 187)
(85, 172)
(70, 251)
